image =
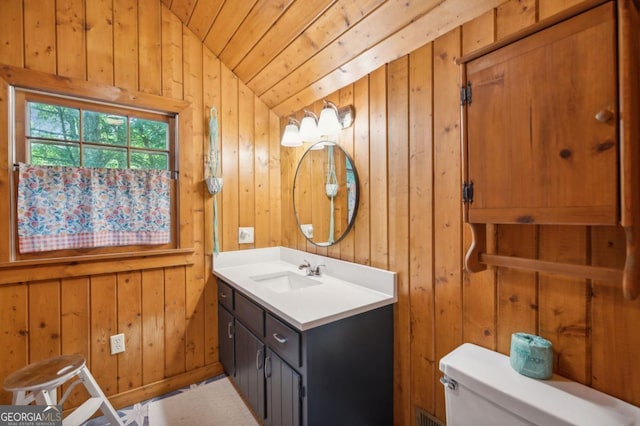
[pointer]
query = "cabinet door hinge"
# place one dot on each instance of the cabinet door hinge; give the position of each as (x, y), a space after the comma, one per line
(467, 192)
(465, 94)
(301, 391)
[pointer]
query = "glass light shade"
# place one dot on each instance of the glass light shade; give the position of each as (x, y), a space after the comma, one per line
(309, 130)
(328, 124)
(291, 136)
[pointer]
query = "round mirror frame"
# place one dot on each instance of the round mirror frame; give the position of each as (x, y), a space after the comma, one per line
(356, 198)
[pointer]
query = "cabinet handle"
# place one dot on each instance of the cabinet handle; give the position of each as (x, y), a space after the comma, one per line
(258, 358)
(223, 295)
(279, 338)
(604, 116)
(230, 329)
(267, 367)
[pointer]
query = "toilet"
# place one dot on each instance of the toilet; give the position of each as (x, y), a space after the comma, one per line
(481, 388)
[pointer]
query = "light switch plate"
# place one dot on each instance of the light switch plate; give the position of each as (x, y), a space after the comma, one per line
(307, 230)
(245, 235)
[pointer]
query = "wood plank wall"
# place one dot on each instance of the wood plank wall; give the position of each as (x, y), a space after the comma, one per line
(166, 308)
(406, 146)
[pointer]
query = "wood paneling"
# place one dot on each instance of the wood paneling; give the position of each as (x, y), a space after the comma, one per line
(514, 15)
(406, 139)
(292, 52)
(421, 291)
(150, 47)
(129, 307)
(165, 303)
(447, 217)
(224, 26)
(99, 41)
(72, 51)
(152, 288)
(398, 164)
(378, 183)
(479, 319)
(405, 143)
(125, 36)
(75, 324)
(39, 37)
(330, 25)
(230, 160)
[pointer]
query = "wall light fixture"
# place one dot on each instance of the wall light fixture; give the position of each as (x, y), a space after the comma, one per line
(313, 129)
(291, 135)
(309, 128)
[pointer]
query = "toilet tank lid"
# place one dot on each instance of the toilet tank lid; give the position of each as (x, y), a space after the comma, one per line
(554, 401)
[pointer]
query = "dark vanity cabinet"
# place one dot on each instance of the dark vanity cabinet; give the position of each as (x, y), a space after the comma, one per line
(283, 392)
(226, 325)
(250, 368)
(340, 373)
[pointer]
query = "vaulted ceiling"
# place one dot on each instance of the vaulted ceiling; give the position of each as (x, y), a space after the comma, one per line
(291, 53)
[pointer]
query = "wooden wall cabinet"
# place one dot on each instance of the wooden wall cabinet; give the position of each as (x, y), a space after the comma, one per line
(544, 139)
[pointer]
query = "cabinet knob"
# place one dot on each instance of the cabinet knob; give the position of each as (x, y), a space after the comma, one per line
(604, 116)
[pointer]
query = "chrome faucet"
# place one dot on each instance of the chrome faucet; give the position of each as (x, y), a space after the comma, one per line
(310, 270)
(316, 271)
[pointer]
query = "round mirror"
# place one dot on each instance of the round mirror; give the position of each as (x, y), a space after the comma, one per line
(325, 193)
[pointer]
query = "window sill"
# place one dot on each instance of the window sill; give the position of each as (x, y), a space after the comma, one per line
(67, 267)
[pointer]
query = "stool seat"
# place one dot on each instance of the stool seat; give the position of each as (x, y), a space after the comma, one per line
(44, 374)
(38, 382)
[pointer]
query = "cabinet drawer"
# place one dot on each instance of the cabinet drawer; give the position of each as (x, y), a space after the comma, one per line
(225, 295)
(251, 315)
(284, 340)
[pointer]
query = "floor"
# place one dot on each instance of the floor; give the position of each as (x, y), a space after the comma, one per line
(137, 414)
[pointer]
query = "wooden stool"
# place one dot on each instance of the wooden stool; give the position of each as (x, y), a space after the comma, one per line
(38, 382)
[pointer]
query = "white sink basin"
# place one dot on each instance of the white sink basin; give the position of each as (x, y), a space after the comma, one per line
(283, 281)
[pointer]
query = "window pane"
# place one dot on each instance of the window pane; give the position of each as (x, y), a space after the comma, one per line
(149, 160)
(105, 157)
(149, 134)
(104, 128)
(53, 121)
(54, 154)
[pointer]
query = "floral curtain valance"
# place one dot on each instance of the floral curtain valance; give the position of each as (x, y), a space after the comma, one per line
(75, 207)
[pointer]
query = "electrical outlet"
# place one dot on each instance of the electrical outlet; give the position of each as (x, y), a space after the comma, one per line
(117, 343)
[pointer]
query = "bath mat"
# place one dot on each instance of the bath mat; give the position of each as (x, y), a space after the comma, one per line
(216, 403)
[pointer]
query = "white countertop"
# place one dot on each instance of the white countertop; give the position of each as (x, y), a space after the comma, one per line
(347, 288)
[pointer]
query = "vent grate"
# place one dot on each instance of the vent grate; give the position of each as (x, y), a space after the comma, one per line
(425, 419)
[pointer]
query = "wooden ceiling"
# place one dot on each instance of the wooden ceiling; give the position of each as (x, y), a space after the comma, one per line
(291, 53)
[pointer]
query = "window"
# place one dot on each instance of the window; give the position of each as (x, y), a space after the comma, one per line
(63, 131)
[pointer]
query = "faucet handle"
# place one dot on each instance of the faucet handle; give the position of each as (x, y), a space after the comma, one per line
(306, 264)
(316, 270)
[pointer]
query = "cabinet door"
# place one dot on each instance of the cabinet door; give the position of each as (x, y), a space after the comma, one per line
(226, 340)
(541, 126)
(283, 392)
(250, 368)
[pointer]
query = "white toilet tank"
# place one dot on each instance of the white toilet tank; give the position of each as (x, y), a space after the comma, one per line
(481, 388)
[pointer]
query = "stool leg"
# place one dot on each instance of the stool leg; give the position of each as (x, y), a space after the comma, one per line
(20, 398)
(46, 397)
(95, 391)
